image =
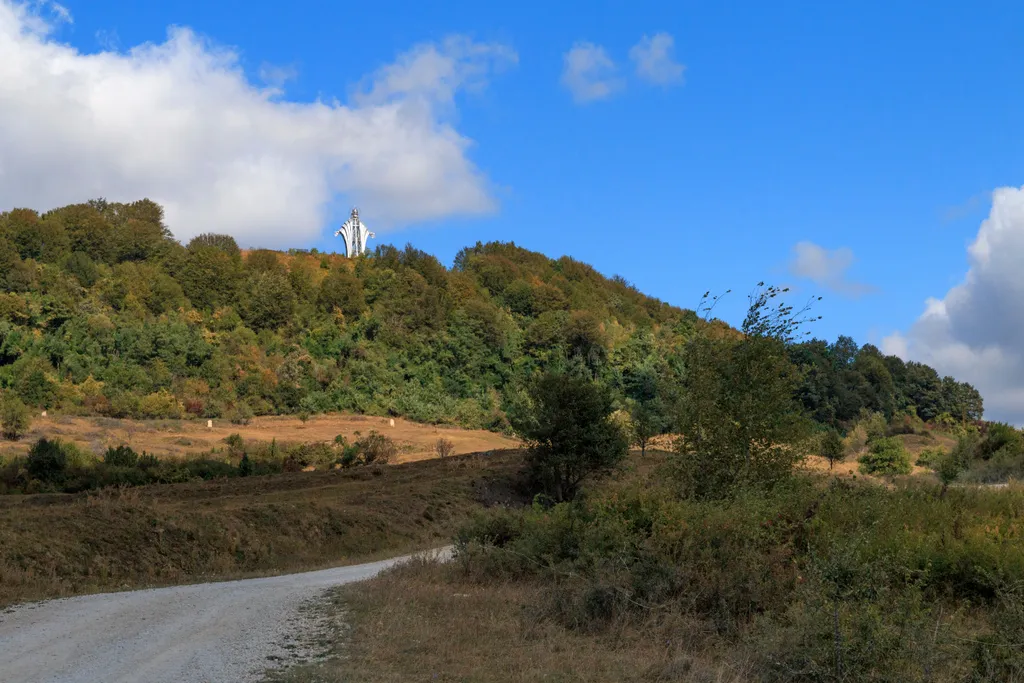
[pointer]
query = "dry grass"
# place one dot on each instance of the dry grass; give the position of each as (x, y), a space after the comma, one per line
(179, 438)
(426, 623)
(57, 544)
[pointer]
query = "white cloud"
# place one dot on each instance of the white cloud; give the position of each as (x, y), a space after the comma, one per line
(589, 73)
(180, 122)
(976, 333)
(276, 76)
(826, 268)
(654, 61)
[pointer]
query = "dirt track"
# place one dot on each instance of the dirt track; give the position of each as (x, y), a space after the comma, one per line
(229, 631)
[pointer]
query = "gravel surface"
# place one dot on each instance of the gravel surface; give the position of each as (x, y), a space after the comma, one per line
(223, 632)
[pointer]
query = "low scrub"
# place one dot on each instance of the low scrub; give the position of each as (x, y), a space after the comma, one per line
(805, 582)
(886, 456)
(59, 466)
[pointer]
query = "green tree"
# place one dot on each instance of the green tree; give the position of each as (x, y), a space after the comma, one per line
(341, 290)
(224, 243)
(267, 300)
(8, 260)
(47, 461)
(87, 230)
(948, 467)
(137, 240)
(647, 420)
(570, 433)
(15, 417)
(263, 261)
(41, 239)
(83, 268)
(740, 420)
(832, 447)
(210, 276)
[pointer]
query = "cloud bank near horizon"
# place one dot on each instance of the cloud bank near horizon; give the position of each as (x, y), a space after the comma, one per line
(976, 332)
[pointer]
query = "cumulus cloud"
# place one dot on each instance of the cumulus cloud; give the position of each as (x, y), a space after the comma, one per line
(827, 268)
(654, 61)
(589, 73)
(180, 122)
(976, 332)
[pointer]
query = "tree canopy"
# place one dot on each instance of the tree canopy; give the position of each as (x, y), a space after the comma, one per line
(103, 312)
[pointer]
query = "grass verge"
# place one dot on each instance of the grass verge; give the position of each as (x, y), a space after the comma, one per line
(58, 544)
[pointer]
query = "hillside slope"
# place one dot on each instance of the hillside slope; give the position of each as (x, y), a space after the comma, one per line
(105, 314)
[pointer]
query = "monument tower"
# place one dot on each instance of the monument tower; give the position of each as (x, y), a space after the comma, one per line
(355, 235)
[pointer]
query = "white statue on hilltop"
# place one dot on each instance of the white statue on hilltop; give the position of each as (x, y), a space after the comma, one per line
(355, 235)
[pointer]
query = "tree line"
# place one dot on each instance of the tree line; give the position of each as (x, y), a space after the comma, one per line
(104, 313)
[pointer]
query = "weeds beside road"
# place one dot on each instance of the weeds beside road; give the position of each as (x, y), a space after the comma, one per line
(57, 545)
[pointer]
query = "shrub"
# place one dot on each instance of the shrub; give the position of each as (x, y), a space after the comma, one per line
(122, 456)
(1000, 437)
(930, 457)
(147, 461)
(875, 426)
(240, 413)
(444, 448)
(15, 417)
(235, 442)
(161, 404)
(886, 456)
(377, 448)
(47, 461)
(948, 467)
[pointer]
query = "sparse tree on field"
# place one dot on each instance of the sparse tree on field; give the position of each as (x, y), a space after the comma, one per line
(832, 447)
(740, 420)
(570, 432)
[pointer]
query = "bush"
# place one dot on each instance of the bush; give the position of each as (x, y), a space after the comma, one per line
(47, 461)
(1000, 437)
(235, 442)
(122, 456)
(15, 417)
(930, 457)
(377, 448)
(160, 404)
(444, 448)
(886, 456)
(239, 414)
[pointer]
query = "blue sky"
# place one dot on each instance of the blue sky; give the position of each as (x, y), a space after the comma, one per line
(879, 128)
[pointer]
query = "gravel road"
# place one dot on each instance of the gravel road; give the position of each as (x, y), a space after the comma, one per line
(224, 632)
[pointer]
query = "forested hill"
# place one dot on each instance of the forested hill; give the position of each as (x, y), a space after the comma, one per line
(104, 313)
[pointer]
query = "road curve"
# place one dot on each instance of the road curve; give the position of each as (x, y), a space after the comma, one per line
(223, 632)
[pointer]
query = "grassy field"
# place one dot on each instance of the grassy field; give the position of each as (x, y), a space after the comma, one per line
(180, 438)
(57, 544)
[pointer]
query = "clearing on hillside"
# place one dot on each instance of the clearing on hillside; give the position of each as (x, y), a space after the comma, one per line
(178, 438)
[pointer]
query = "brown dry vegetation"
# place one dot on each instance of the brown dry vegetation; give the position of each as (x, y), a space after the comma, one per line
(179, 438)
(58, 544)
(426, 622)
